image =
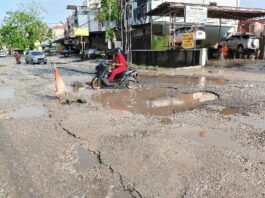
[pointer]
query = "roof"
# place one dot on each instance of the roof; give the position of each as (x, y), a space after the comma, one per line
(220, 12)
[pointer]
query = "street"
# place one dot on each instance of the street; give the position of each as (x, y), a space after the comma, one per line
(196, 132)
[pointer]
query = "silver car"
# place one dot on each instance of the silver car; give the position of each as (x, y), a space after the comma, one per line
(2, 54)
(35, 57)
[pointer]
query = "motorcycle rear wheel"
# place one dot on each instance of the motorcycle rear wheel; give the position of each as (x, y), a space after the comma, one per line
(96, 83)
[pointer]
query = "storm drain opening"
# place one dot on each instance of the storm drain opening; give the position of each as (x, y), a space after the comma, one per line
(153, 101)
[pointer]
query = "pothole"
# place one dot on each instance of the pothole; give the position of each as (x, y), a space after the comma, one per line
(78, 86)
(153, 101)
(229, 111)
(211, 137)
(184, 80)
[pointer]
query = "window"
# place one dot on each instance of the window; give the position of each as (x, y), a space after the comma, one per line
(236, 37)
(213, 3)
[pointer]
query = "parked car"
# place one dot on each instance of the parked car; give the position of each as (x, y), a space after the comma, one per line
(3, 54)
(198, 30)
(35, 57)
(242, 42)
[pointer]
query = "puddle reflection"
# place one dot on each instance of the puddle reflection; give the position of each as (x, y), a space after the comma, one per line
(6, 92)
(184, 80)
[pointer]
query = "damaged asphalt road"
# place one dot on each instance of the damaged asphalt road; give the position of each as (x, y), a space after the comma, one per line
(202, 146)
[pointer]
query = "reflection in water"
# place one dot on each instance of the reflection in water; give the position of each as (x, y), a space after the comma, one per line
(202, 134)
(155, 101)
(27, 112)
(6, 92)
(183, 80)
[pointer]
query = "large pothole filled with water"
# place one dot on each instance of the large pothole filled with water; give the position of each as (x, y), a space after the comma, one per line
(153, 101)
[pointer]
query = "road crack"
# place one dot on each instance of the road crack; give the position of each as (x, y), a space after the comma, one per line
(126, 187)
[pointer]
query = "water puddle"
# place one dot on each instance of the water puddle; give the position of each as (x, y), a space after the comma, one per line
(85, 159)
(184, 80)
(211, 137)
(28, 112)
(155, 101)
(257, 121)
(78, 86)
(6, 92)
(229, 111)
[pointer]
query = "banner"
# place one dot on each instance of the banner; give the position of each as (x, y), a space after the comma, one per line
(81, 31)
(188, 40)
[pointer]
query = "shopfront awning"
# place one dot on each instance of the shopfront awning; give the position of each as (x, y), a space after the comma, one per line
(219, 12)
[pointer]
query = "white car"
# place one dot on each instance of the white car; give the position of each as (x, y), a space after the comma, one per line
(3, 54)
(242, 42)
(199, 33)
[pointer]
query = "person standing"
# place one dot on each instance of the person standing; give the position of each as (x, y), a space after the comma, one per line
(17, 57)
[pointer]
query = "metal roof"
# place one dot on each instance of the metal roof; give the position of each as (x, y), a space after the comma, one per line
(220, 12)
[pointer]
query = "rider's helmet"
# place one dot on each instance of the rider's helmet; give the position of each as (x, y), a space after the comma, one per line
(117, 51)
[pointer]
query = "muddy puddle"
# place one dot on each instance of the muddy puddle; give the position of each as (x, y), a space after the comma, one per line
(257, 121)
(6, 92)
(183, 80)
(28, 112)
(229, 111)
(77, 86)
(211, 137)
(153, 101)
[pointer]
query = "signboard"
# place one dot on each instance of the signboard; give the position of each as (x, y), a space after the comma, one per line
(195, 14)
(81, 31)
(188, 40)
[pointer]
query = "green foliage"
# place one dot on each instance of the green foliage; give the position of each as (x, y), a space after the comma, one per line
(109, 11)
(110, 33)
(22, 28)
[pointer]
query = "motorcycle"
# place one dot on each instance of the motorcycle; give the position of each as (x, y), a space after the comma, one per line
(127, 78)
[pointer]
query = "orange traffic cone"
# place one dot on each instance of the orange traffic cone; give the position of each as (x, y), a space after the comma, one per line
(59, 85)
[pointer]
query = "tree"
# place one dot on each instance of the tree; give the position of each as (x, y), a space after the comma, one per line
(109, 12)
(22, 28)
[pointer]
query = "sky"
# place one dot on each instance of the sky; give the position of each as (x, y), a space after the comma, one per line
(253, 4)
(56, 9)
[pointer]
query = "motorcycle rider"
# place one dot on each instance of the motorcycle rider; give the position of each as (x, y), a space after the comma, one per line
(119, 63)
(17, 56)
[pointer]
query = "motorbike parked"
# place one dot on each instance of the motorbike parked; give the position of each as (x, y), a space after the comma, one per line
(125, 79)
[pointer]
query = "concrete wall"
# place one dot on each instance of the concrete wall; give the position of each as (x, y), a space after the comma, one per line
(170, 58)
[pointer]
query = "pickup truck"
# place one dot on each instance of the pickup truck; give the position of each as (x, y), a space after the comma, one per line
(242, 42)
